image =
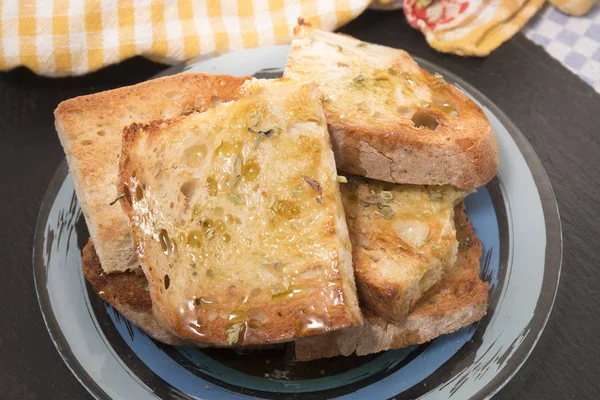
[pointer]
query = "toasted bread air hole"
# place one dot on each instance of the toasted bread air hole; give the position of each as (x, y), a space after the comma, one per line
(216, 100)
(124, 117)
(342, 64)
(86, 142)
(188, 189)
(139, 193)
(174, 95)
(464, 144)
(421, 118)
(101, 133)
(167, 281)
(187, 110)
(404, 111)
(76, 112)
(168, 114)
(259, 316)
(126, 194)
(166, 244)
(194, 155)
(427, 280)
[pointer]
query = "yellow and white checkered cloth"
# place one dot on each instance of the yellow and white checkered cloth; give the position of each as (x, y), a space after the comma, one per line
(73, 37)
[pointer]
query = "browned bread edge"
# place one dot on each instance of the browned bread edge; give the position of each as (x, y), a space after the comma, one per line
(394, 156)
(127, 292)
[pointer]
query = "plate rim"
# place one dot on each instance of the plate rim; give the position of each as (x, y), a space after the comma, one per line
(543, 187)
(549, 209)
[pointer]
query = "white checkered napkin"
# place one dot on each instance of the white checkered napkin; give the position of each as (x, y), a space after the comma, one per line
(574, 41)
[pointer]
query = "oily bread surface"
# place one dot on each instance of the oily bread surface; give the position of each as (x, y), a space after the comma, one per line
(457, 301)
(372, 235)
(90, 129)
(237, 219)
(391, 120)
(128, 293)
(403, 238)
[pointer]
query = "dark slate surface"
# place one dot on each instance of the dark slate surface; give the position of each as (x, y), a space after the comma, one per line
(557, 112)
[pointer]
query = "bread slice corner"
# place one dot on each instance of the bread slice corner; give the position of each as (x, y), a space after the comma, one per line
(90, 130)
(403, 240)
(457, 301)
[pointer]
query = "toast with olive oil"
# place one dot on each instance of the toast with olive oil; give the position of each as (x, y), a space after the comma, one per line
(237, 220)
(391, 120)
(90, 130)
(403, 238)
(458, 300)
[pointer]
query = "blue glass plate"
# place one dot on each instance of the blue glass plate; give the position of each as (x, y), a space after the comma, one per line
(515, 216)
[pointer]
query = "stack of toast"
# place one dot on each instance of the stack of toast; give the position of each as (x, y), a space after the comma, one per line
(324, 209)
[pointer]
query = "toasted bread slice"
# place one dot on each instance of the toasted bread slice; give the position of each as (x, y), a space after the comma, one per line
(391, 120)
(402, 237)
(457, 301)
(237, 219)
(90, 130)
